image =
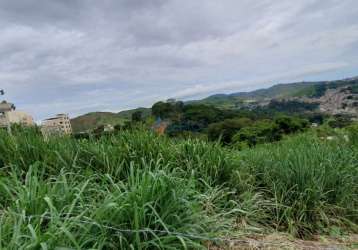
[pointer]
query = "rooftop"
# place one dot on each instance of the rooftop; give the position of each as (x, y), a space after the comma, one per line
(56, 117)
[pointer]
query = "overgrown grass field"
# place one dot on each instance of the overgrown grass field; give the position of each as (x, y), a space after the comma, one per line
(136, 190)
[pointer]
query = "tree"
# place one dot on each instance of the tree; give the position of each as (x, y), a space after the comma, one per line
(168, 110)
(118, 127)
(161, 109)
(318, 118)
(137, 116)
(226, 129)
(202, 114)
(260, 132)
(339, 121)
(292, 106)
(290, 125)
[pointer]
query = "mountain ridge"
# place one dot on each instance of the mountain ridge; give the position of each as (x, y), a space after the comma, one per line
(308, 92)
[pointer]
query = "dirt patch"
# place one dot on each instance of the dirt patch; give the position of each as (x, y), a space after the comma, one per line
(282, 241)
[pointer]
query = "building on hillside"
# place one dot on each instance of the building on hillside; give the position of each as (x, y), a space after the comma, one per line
(56, 126)
(16, 117)
(106, 128)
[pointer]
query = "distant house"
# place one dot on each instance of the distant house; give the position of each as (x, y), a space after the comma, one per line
(56, 126)
(104, 128)
(108, 128)
(9, 116)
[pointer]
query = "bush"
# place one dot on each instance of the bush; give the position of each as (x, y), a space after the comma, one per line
(290, 125)
(167, 110)
(137, 116)
(201, 114)
(339, 121)
(259, 132)
(353, 133)
(226, 129)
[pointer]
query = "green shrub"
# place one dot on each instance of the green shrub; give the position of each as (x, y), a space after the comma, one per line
(353, 133)
(290, 125)
(226, 129)
(260, 132)
(339, 121)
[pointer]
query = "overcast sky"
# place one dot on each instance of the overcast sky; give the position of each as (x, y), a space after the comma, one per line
(77, 56)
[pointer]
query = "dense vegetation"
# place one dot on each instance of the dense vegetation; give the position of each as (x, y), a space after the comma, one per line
(286, 98)
(279, 91)
(217, 171)
(231, 127)
(134, 189)
(292, 106)
(94, 120)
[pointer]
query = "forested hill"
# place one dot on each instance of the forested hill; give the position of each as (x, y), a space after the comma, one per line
(287, 90)
(95, 119)
(339, 96)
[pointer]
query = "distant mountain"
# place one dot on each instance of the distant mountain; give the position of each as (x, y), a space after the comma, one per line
(333, 97)
(235, 100)
(279, 91)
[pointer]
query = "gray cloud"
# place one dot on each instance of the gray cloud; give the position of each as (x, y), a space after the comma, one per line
(77, 56)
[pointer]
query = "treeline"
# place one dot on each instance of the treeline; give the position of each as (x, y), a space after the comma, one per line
(239, 128)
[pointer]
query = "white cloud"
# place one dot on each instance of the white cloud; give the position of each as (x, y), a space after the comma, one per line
(132, 53)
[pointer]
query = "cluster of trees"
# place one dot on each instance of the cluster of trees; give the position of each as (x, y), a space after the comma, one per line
(198, 117)
(292, 106)
(339, 121)
(238, 128)
(248, 132)
(230, 127)
(168, 110)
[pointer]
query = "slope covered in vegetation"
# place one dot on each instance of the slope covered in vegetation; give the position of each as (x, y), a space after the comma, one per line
(94, 120)
(301, 97)
(137, 190)
(286, 90)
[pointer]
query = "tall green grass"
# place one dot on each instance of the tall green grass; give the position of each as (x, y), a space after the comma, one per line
(136, 190)
(126, 191)
(312, 183)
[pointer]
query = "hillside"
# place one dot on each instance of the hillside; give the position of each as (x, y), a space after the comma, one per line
(333, 97)
(95, 119)
(127, 114)
(288, 90)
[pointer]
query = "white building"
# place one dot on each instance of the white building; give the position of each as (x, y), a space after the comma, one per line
(16, 117)
(58, 125)
(8, 116)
